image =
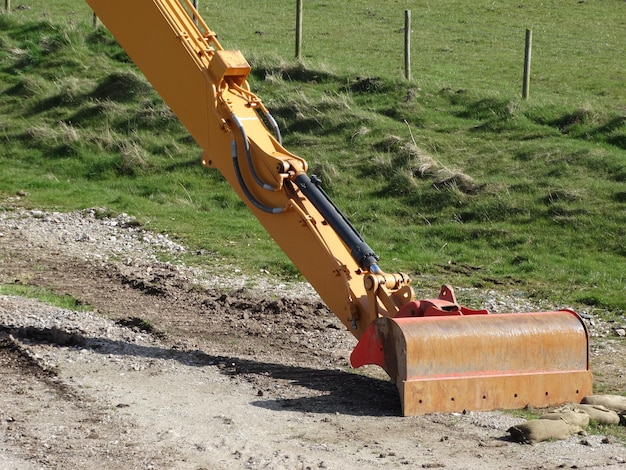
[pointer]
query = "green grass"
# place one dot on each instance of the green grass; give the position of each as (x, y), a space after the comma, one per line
(450, 177)
(44, 295)
(611, 433)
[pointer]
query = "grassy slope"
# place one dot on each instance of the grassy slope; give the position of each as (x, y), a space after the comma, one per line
(451, 176)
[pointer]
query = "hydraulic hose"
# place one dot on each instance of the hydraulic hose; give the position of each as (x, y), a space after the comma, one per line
(244, 187)
(246, 146)
(274, 125)
(361, 252)
(365, 257)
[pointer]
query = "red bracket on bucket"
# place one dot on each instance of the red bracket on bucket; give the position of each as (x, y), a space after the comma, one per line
(369, 349)
(444, 305)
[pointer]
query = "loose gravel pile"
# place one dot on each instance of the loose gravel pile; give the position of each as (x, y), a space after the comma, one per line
(92, 234)
(127, 369)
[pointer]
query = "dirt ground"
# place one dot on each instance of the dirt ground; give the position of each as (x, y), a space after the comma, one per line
(167, 372)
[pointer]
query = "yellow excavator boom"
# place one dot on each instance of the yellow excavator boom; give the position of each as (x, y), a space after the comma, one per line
(425, 346)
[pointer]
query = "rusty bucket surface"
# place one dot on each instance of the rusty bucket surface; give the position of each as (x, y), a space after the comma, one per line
(481, 362)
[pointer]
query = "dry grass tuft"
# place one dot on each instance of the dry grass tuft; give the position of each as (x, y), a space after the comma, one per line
(409, 164)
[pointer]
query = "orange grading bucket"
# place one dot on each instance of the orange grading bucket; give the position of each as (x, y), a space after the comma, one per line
(478, 361)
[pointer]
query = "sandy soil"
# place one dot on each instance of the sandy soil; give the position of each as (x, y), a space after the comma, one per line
(168, 369)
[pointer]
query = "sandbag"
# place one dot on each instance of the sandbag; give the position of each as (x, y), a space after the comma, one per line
(570, 416)
(538, 430)
(599, 414)
(616, 403)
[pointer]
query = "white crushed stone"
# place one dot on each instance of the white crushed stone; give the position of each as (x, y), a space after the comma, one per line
(90, 234)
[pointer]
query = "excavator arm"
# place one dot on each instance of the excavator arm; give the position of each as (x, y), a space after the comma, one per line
(206, 87)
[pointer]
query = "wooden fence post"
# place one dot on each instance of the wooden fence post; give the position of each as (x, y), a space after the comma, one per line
(407, 44)
(527, 54)
(298, 29)
(7, 6)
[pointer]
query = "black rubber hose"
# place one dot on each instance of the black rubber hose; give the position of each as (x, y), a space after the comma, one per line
(244, 187)
(246, 148)
(365, 257)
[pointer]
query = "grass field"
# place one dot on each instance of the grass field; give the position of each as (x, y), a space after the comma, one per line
(451, 177)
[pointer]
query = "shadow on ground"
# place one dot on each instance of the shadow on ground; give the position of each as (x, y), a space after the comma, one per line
(336, 391)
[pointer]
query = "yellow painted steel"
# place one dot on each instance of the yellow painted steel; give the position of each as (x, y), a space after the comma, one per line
(206, 87)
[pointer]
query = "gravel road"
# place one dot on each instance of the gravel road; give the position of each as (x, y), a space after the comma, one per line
(168, 369)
